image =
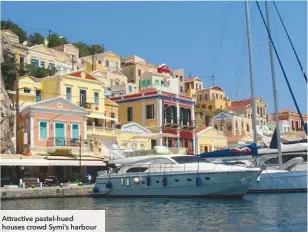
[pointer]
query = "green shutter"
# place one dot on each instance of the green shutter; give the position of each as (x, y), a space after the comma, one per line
(75, 129)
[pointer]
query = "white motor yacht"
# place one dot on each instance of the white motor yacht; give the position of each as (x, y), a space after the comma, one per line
(172, 176)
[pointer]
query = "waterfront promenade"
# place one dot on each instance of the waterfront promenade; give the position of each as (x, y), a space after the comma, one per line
(45, 192)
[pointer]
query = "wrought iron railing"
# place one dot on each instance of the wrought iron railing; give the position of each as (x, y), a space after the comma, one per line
(63, 142)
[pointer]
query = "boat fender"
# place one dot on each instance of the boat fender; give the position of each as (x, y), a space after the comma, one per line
(198, 180)
(136, 180)
(95, 190)
(148, 180)
(122, 181)
(164, 181)
(108, 185)
(4, 194)
(127, 181)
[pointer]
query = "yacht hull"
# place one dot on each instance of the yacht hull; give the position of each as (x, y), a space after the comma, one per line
(275, 182)
(202, 184)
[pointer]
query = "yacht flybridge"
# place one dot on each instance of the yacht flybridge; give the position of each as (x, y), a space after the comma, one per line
(172, 176)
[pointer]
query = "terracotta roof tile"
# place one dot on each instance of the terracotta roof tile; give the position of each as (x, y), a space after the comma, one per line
(147, 90)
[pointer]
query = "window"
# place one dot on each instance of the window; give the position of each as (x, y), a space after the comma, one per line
(75, 131)
(137, 169)
(210, 107)
(96, 98)
(181, 78)
(176, 76)
(42, 64)
(68, 93)
(258, 110)
(130, 89)
(43, 131)
(130, 114)
(139, 72)
(192, 86)
(181, 88)
(99, 62)
(148, 82)
(34, 62)
(51, 66)
(107, 63)
(205, 97)
(188, 159)
(38, 95)
(162, 82)
(200, 97)
(142, 146)
(22, 60)
(150, 111)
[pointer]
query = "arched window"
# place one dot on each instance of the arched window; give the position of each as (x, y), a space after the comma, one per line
(247, 126)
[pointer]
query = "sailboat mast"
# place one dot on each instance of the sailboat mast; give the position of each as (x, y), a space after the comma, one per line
(274, 85)
(253, 100)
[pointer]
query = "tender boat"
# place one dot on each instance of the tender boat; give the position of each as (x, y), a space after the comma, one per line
(172, 176)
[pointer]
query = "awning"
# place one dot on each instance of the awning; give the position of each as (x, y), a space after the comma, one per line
(100, 116)
(46, 162)
(154, 136)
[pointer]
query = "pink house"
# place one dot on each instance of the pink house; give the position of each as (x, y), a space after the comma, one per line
(54, 126)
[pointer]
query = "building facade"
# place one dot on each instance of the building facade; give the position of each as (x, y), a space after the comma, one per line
(53, 124)
(244, 108)
(212, 98)
(161, 112)
(192, 85)
(209, 139)
(231, 125)
(106, 61)
(292, 117)
(180, 74)
(160, 81)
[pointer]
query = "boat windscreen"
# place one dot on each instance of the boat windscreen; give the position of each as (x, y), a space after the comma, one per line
(188, 159)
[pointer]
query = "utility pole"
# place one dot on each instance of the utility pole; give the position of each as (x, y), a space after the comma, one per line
(49, 33)
(73, 61)
(253, 100)
(17, 112)
(94, 52)
(79, 158)
(213, 77)
(274, 86)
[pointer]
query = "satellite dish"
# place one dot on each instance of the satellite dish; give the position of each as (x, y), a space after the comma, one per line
(25, 43)
(107, 93)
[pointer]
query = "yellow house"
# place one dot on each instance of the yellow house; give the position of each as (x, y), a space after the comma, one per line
(209, 139)
(239, 140)
(30, 91)
(103, 61)
(110, 78)
(20, 51)
(111, 111)
(212, 99)
(192, 85)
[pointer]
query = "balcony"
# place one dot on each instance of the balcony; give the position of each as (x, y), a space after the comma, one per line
(62, 142)
(86, 105)
(187, 124)
(171, 122)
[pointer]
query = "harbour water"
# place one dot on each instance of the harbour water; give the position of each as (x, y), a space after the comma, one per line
(255, 212)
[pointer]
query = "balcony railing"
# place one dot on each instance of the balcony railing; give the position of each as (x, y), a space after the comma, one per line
(86, 105)
(63, 142)
(179, 122)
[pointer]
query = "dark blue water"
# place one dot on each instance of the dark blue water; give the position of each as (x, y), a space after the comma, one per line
(260, 212)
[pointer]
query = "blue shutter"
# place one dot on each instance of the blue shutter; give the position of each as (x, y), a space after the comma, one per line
(68, 94)
(43, 130)
(96, 98)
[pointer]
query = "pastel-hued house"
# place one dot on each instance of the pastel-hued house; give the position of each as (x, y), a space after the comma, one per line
(292, 117)
(192, 85)
(231, 125)
(161, 112)
(160, 81)
(209, 139)
(179, 74)
(212, 98)
(239, 140)
(53, 124)
(244, 107)
(106, 61)
(41, 56)
(30, 91)
(133, 67)
(11, 41)
(67, 54)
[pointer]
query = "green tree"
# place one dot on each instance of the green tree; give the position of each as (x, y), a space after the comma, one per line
(96, 48)
(9, 25)
(54, 40)
(39, 72)
(84, 49)
(36, 38)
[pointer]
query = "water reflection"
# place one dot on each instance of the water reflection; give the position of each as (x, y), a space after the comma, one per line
(263, 212)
